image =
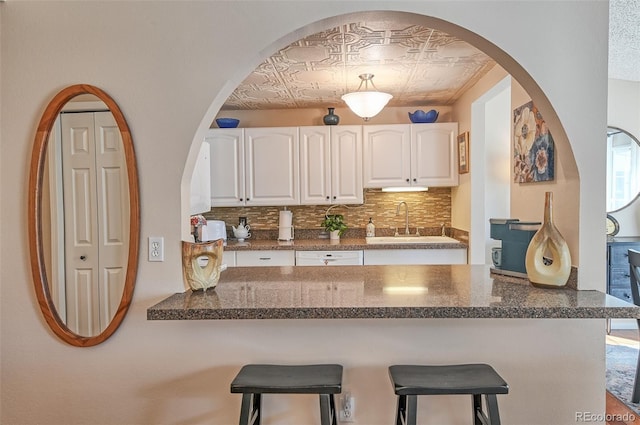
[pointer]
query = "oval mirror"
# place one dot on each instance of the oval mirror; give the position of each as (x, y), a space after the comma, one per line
(623, 169)
(83, 215)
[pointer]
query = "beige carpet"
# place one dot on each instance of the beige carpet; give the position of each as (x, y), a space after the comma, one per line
(622, 357)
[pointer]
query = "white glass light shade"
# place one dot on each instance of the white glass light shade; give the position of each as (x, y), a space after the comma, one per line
(366, 104)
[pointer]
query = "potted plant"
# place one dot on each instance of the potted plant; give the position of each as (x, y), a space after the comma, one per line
(334, 224)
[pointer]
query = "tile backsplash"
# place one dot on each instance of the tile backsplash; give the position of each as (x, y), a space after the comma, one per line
(428, 209)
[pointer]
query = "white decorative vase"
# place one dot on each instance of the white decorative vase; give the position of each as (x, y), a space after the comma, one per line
(548, 260)
(334, 235)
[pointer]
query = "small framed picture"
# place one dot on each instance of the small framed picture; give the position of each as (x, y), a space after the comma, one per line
(463, 153)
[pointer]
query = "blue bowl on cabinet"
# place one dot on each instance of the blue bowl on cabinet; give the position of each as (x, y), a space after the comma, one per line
(420, 116)
(227, 122)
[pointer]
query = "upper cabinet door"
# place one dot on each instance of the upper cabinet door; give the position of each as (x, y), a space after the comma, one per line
(387, 155)
(271, 164)
(331, 165)
(346, 164)
(434, 156)
(227, 167)
(315, 165)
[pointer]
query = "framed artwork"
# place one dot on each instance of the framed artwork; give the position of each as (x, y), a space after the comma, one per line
(533, 147)
(463, 153)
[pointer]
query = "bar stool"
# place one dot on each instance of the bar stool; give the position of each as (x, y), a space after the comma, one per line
(410, 381)
(256, 379)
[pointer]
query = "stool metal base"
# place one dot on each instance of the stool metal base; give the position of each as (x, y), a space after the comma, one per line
(254, 380)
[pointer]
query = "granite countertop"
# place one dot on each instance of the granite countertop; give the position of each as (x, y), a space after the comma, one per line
(327, 245)
(344, 292)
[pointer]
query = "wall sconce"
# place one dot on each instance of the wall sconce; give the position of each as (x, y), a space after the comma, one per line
(366, 103)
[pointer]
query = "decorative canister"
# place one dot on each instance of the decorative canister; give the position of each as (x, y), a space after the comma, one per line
(202, 264)
(331, 118)
(548, 260)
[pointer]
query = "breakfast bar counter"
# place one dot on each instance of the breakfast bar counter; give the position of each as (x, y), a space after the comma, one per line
(376, 292)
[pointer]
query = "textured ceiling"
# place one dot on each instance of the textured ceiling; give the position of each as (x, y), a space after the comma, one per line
(624, 40)
(419, 66)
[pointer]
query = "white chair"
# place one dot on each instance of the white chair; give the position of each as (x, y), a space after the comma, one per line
(634, 275)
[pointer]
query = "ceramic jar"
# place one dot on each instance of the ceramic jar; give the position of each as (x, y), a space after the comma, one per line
(331, 118)
(548, 260)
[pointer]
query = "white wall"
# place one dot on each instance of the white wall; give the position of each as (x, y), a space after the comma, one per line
(623, 111)
(170, 65)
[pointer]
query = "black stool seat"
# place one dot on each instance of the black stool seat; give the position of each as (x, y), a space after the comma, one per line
(447, 379)
(477, 380)
(256, 379)
(279, 379)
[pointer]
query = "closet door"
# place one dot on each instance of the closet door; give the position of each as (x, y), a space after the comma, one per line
(96, 218)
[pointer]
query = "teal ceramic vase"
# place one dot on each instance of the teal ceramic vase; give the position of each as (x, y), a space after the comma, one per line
(331, 118)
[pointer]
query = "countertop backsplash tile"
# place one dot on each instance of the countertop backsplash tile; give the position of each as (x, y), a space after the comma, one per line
(427, 210)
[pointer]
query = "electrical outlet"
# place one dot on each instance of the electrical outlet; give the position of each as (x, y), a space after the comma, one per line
(347, 411)
(156, 248)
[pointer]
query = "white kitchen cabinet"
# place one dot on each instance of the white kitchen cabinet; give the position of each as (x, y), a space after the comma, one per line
(256, 166)
(404, 155)
(227, 166)
(271, 166)
(265, 258)
(387, 155)
(414, 256)
(331, 165)
(229, 258)
(329, 258)
(434, 155)
(201, 182)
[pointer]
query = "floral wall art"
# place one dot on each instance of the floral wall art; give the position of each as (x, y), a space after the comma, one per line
(533, 146)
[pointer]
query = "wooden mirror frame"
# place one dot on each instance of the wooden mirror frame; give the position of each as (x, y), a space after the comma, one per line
(34, 212)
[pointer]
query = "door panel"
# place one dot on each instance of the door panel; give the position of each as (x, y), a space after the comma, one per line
(96, 208)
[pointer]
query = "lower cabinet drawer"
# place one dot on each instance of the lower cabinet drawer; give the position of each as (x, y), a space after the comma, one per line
(265, 258)
(620, 255)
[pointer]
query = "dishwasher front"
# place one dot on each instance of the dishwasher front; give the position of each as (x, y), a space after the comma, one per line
(329, 258)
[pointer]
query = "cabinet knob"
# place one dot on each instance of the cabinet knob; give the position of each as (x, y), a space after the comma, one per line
(83, 257)
(334, 197)
(408, 180)
(328, 197)
(415, 180)
(241, 199)
(247, 199)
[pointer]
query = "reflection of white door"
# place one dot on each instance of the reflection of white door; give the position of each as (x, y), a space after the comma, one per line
(96, 219)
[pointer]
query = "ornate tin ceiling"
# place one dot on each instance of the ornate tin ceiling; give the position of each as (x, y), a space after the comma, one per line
(417, 65)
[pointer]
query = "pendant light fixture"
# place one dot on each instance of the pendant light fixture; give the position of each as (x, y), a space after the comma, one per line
(366, 103)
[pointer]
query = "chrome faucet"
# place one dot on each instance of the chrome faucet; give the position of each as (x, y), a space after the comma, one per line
(406, 216)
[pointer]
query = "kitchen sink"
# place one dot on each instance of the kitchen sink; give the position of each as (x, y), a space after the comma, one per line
(410, 239)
